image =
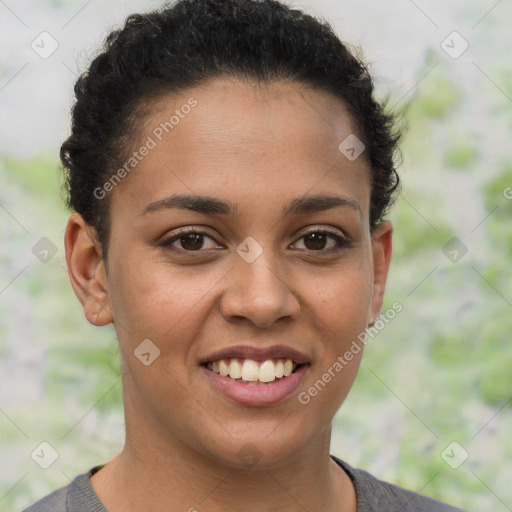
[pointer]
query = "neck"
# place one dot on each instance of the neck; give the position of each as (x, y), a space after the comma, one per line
(150, 474)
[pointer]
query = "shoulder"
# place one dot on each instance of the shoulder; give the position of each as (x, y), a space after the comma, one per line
(375, 495)
(78, 496)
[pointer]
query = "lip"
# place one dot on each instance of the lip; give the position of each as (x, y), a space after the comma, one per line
(257, 395)
(258, 354)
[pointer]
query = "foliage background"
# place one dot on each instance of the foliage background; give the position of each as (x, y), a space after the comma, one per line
(439, 372)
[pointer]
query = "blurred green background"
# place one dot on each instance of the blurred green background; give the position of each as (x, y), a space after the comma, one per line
(438, 373)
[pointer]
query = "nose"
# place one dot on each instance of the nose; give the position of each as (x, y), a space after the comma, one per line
(258, 293)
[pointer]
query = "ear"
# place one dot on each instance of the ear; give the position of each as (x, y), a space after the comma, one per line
(87, 270)
(382, 241)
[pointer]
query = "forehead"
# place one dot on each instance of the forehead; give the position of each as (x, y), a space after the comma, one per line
(233, 138)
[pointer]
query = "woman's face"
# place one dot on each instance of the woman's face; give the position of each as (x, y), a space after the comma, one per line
(274, 274)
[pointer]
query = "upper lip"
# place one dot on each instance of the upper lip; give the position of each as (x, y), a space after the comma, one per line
(257, 353)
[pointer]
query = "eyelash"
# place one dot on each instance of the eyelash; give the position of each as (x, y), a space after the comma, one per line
(341, 241)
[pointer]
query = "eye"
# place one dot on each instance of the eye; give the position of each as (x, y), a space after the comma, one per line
(316, 240)
(189, 240)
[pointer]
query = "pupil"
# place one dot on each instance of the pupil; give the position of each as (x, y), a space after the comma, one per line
(318, 240)
(195, 245)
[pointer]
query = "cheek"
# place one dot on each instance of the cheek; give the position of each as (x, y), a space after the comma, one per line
(170, 307)
(161, 302)
(342, 316)
(339, 308)
(341, 301)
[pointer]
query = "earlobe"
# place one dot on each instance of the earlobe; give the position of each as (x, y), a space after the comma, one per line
(87, 270)
(382, 241)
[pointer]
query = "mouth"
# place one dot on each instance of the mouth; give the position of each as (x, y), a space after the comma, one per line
(256, 376)
(251, 372)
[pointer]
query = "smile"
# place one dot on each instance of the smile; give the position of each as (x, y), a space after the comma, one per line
(249, 372)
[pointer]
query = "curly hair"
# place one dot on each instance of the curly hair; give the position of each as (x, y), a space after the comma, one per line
(190, 42)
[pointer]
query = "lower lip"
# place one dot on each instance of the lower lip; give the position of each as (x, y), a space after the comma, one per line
(259, 394)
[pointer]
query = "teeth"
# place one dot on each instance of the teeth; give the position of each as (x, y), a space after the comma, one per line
(279, 369)
(235, 370)
(251, 372)
(223, 368)
(288, 367)
(267, 371)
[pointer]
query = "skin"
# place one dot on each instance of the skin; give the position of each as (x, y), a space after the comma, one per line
(259, 147)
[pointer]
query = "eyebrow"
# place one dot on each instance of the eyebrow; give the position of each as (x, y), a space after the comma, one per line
(213, 206)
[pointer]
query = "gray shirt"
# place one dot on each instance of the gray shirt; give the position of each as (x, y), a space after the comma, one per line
(372, 495)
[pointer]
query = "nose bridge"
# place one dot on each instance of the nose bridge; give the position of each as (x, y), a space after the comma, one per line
(262, 273)
(257, 291)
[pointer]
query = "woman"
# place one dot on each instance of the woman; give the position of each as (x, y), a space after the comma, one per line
(229, 172)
